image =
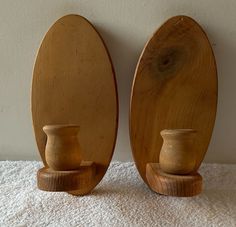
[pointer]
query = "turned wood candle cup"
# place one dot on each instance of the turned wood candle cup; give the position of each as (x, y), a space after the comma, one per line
(177, 155)
(62, 150)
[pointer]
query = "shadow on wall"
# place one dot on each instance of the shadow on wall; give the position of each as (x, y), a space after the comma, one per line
(223, 139)
(124, 57)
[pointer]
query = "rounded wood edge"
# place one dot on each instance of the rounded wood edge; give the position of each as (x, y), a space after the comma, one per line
(173, 185)
(104, 168)
(101, 168)
(78, 181)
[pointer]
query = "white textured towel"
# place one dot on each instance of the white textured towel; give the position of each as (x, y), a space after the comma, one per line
(121, 199)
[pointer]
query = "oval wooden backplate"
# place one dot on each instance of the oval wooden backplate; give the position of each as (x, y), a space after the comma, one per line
(74, 83)
(175, 86)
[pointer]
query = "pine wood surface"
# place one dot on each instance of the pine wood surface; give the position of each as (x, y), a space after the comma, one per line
(175, 87)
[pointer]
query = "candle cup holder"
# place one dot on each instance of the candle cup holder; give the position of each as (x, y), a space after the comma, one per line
(65, 171)
(177, 155)
(174, 174)
(62, 150)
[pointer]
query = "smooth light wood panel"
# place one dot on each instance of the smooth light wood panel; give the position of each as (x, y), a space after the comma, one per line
(74, 83)
(173, 185)
(175, 87)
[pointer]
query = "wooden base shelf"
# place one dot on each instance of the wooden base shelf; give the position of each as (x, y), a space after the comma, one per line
(173, 185)
(72, 181)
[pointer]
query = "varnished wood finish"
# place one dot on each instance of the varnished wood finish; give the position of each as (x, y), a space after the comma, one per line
(74, 83)
(175, 86)
(78, 180)
(173, 185)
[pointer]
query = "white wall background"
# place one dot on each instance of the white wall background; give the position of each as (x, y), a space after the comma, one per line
(125, 26)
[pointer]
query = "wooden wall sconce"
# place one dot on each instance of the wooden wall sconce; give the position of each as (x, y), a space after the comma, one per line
(175, 90)
(74, 107)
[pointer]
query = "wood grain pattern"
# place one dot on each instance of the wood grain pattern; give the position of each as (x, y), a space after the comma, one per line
(74, 83)
(71, 180)
(175, 86)
(173, 185)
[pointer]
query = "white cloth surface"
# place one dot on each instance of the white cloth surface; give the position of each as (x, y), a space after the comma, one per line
(121, 199)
